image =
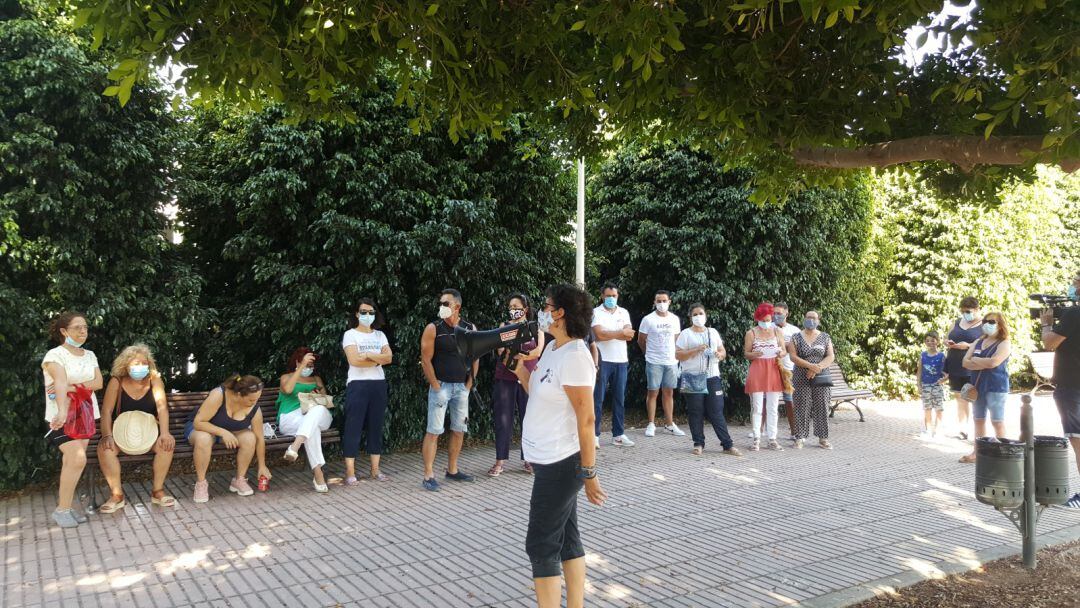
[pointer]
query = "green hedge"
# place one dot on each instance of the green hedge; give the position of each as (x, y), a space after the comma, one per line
(673, 218)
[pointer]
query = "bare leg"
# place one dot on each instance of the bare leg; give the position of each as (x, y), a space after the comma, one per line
(999, 428)
(548, 591)
(110, 469)
(244, 453)
(375, 464)
(963, 413)
(162, 462)
(431, 446)
(74, 462)
(297, 443)
(789, 409)
(650, 405)
(202, 444)
(574, 571)
(669, 405)
(350, 467)
(457, 438)
(927, 419)
(318, 474)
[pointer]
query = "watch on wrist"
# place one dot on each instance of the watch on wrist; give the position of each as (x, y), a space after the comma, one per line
(586, 472)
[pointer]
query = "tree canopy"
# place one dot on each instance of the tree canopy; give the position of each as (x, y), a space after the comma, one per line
(821, 83)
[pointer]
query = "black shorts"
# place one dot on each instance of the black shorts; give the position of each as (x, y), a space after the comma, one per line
(956, 383)
(57, 438)
(553, 535)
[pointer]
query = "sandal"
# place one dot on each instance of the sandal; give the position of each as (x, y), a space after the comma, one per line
(161, 499)
(113, 505)
(495, 471)
(380, 477)
(351, 481)
(970, 458)
(291, 455)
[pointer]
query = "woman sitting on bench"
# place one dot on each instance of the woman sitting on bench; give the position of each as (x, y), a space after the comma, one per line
(135, 386)
(307, 427)
(229, 415)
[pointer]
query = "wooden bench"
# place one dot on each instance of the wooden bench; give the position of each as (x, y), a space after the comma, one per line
(1043, 364)
(842, 393)
(180, 407)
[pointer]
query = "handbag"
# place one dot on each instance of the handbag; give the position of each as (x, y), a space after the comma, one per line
(822, 380)
(697, 382)
(310, 400)
(80, 419)
(969, 393)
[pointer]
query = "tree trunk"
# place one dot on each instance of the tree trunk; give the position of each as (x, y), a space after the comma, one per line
(965, 151)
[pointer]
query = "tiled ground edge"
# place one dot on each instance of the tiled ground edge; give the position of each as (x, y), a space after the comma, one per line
(872, 589)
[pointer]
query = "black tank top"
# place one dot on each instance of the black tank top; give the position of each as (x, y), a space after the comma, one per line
(447, 363)
(145, 403)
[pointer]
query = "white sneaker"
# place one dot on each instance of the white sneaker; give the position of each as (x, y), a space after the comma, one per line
(675, 430)
(650, 431)
(622, 440)
(597, 443)
(750, 435)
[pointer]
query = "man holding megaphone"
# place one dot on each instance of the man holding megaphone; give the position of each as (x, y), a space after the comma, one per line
(450, 379)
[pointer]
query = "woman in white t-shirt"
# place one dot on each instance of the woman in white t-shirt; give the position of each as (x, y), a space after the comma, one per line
(700, 350)
(558, 439)
(367, 350)
(66, 367)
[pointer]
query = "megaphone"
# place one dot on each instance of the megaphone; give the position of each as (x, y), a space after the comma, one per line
(471, 345)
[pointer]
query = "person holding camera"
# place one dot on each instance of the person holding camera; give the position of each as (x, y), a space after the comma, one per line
(508, 396)
(1062, 335)
(558, 439)
(449, 382)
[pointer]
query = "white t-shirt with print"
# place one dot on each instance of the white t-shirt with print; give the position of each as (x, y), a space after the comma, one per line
(789, 332)
(689, 339)
(365, 343)
(612, 351)
(660, 338)
(79, 370)
(549, 432)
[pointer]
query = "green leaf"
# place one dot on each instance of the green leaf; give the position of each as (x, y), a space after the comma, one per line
(432, 9)
(577, 26)
(983, 116)
(831, 19)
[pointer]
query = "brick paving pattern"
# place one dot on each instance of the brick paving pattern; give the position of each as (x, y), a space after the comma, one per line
(768, 529)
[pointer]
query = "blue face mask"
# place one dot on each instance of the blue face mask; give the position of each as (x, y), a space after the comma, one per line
(1071, 292)
(366, 320)
(307, 371)
(968, 316)
(810, 323)
(138, 372)
(765, 324)
(989, 328)
(779, 318)
(71, 342)
(611, 301)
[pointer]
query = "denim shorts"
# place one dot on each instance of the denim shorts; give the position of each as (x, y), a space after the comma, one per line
(659, 376)
(994, 402)
(453, 396)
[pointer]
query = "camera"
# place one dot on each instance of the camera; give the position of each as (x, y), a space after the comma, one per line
(1058, 304)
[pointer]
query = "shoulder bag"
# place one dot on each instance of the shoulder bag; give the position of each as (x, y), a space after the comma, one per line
(310, 399)
(697, 382)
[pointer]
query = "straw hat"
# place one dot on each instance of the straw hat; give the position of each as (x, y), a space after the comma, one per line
(135, 432)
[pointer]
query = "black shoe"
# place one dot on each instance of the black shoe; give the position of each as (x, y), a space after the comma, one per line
(1074, 502)
(459, 476)
(962, 435)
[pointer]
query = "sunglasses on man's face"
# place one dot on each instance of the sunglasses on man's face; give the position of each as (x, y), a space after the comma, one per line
(446, 303)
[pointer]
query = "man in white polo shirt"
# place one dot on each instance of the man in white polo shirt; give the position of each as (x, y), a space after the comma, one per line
(656, 337)
(612, 330)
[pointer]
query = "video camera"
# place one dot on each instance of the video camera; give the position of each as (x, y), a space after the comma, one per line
(1055, 303)
(472, 345)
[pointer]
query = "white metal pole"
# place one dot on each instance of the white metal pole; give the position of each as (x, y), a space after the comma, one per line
(580, 275)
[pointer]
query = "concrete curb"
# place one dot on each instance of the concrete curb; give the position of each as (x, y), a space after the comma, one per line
(871, 589)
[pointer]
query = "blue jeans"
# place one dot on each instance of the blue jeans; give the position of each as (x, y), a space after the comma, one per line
(659, 376)
(454, 396)
(615, 373)
(994, 402)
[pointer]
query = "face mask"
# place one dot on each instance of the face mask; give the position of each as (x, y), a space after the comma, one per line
(810, 323)
(544, 320)
(989, 328)
(1071, 292)
(779, 318)
(516, 314)
(445, 312)
(611, 301)
(366, 320)
(662, 306)
(765, 324)
(968, 316)
(71, 342)
(138, 372)
(307, 371)
(698, 320)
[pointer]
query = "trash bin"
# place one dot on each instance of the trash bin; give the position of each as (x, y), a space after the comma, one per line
(999, 472)
(1051, 470)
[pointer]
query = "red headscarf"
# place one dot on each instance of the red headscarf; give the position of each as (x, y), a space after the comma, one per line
(763, 312)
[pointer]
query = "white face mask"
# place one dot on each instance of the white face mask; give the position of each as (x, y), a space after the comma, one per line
(307, 371)
(662, 306)
(366, 320)
(445, 312)
(544, 320)
(698, 320)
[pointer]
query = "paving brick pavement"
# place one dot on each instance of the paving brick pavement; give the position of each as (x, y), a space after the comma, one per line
(768, 529)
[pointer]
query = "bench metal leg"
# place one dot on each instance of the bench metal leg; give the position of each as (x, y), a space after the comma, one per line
(858, 409)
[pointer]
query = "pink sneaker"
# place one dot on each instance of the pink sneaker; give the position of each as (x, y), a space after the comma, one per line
(241, 487)
(202, 491)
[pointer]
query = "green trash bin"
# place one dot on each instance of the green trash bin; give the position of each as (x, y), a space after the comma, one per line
(1051, 470)
(999, 472)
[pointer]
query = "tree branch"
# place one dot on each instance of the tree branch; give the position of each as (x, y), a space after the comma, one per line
(965, 151)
